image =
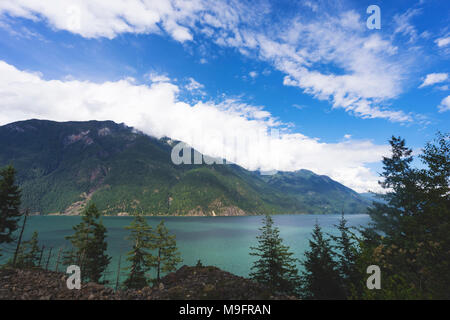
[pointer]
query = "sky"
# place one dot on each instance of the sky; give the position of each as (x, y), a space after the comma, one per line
(270, 85)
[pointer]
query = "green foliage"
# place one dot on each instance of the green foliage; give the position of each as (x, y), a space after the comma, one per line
(122, 170)
(321, 279)
(10, 200)
(29, 253)
(140, 256)
(275, 267)
(89, 246)
(346, 251)
(409, 238)
(167, 256)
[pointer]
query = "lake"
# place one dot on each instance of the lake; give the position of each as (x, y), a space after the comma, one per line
(220, 241)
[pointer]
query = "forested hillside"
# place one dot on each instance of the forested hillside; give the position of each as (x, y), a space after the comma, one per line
(62, 166)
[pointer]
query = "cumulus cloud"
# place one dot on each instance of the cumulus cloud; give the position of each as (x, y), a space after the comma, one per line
(445, 104)
(433, 78)
(240, 132)
(369, 70)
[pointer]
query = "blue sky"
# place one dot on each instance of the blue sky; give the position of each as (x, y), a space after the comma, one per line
(335, 89)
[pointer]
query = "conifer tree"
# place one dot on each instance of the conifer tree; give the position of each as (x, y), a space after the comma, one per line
(29, 253)
(139, 256)
(167, 256)
(89, 246)
(320, 279)
(275, 267)
(409, 236)
(346, 251)
(10, 199)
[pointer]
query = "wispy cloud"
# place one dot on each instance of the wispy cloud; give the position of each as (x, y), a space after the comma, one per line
(369, 70)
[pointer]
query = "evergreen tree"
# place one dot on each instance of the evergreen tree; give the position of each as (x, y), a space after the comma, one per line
(346, 250)
(89, 246)
(10, 199)
(29, 253)
(320, 280)
(275, 267)
(167, 255)
(409, 237)
(139, 256)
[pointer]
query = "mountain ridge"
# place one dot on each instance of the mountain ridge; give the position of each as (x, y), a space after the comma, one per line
(63, 165)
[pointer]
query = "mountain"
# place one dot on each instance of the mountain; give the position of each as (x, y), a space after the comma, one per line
(62, 166)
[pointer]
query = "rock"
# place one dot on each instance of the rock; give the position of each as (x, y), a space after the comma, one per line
(186, 283)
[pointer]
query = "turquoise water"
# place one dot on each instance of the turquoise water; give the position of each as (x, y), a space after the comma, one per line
(220, 241)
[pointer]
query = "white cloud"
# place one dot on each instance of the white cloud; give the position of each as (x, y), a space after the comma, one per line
(404, 26)
(445, 104)
(194, 85)
(433, 78)
(253, 74)
(443, 42)
(370, 70)
(156, 77)
(93, 19)
(213, 128)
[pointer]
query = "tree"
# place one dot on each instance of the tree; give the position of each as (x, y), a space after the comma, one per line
(275, 267)
(167, 255)
(346, 250)
(139, 256)
(29, 253)
(409, 237)
(320, 279)
(10, 199)
(89, 246)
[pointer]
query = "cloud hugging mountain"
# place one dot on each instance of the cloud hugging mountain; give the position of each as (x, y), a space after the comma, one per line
(64, 165)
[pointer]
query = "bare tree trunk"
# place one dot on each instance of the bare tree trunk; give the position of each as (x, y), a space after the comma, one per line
(42, 253)
(159, 264)
(19, 241)
(48, 259)
(57, 259)
(118, 274)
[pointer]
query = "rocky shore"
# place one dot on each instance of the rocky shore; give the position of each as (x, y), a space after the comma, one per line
(187, 283)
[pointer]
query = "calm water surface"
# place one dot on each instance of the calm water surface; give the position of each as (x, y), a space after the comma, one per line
(220, 241)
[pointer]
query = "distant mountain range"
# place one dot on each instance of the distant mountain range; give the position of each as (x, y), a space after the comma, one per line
(62, 166)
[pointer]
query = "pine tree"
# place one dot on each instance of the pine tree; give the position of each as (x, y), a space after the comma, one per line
(275, 267)
(167, 255)
(89, 246)
(346, 251)
(321, 280)
(139, 256)
(29, 253)
(10, 199)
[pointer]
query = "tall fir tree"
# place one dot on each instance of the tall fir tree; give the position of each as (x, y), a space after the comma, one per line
(140, 256)
(167, 256)
(89, 246)
(346, 249)
(320, 278)
(276, 267)
(10, 199)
